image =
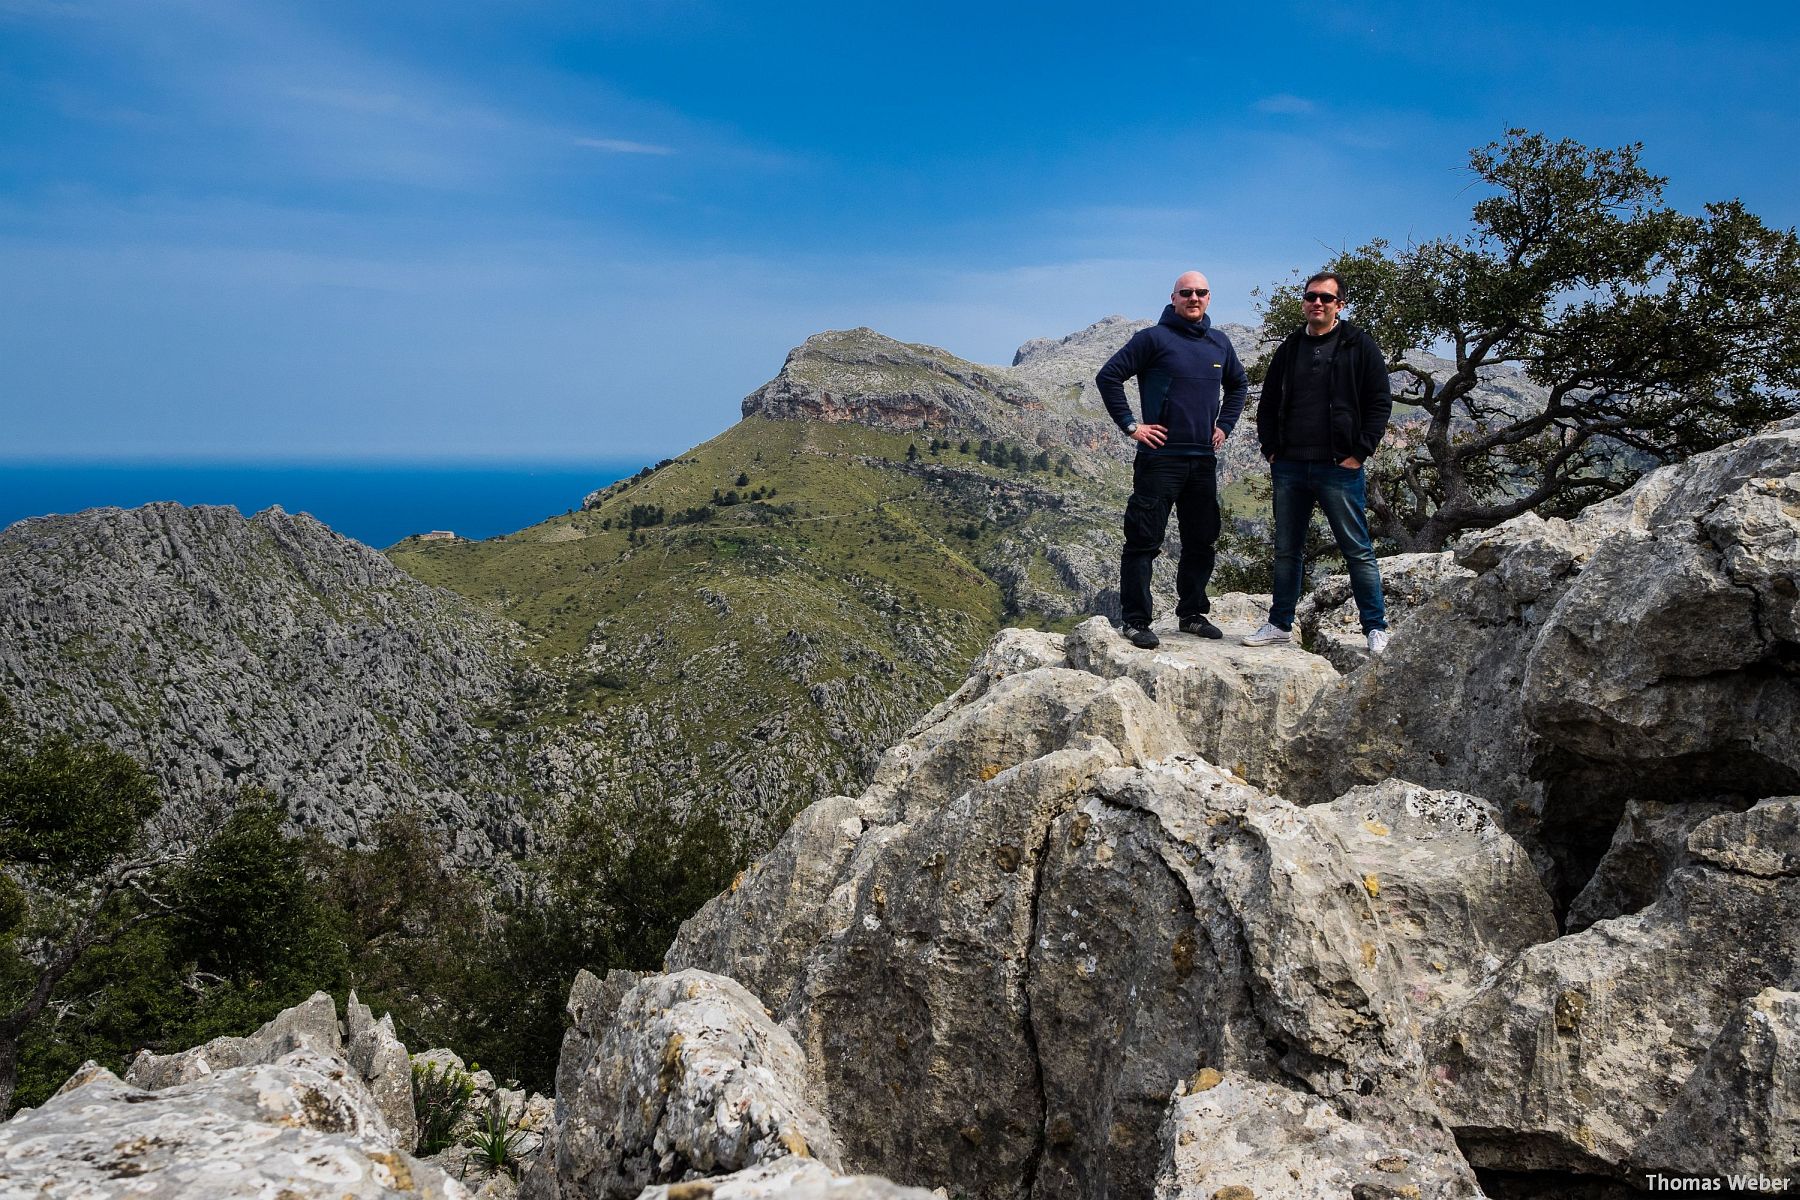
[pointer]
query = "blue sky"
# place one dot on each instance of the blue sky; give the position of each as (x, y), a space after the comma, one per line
(526, 229)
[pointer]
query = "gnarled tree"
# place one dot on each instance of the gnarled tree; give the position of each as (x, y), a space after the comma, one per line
(1651, 335)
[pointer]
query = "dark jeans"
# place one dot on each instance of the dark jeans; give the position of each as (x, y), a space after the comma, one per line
(1191, 485)
(1340, 492)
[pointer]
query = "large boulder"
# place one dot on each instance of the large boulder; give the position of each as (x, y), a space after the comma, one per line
(690, 1079)
(1739, 1112)
(1019, 960)
(1456, 897)
(1577, 1050)
(302, 1127)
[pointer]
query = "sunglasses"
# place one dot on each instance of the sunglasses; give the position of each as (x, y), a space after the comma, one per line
(1193, 293)
(1320, 298)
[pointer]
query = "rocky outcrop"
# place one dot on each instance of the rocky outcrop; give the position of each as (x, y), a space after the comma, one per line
(691, 1079)
(301, 1126)
(1233, 1138)
(1457, 899)
(1236, 704)
(1739, 1112)
(1046, 911)
(1580, 1047)
(311, 1025)
(1642, 651)
(861, 376)
(223, 651)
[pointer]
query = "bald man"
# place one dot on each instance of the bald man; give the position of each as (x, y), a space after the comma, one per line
(1191, 389)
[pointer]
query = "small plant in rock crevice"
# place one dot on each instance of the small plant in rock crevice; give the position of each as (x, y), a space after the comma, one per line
(440, 1100)
(495, 1141)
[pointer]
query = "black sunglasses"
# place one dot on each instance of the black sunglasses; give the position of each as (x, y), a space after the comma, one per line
(1192, 293)
(1321, 298)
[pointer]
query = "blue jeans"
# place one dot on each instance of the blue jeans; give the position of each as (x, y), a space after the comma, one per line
(1340, 492)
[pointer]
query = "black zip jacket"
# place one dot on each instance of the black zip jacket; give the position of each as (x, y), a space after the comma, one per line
(1361, 400)
(1189, 379)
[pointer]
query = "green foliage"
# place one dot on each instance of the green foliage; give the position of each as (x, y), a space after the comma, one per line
(1656, 334)
(494, 1139)
(69, 808)
(138, 950)
(440, 1100)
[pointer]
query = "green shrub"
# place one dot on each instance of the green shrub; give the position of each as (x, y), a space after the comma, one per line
(440, 1100)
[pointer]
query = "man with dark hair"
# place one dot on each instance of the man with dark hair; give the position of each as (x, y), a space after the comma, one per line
(1324, 408)
(1191, 390)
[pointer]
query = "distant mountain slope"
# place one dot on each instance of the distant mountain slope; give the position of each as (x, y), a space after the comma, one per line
(750, 624)
(222, 651)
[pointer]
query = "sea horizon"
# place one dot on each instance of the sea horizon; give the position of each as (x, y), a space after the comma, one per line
(376, 502)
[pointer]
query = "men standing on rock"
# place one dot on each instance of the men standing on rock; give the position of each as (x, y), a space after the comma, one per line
(1191, 390)
(1324, 407)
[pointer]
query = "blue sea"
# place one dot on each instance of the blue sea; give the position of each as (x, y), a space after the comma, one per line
(375, 503)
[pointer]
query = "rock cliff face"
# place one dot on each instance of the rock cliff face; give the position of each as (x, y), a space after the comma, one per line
(224, 651)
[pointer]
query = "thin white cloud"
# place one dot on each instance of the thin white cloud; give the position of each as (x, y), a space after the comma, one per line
(620, 146)
(1286, 105)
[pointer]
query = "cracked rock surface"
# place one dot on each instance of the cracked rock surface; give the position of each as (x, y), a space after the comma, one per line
(691, 1078)
(1644, 650)
(302, 1127)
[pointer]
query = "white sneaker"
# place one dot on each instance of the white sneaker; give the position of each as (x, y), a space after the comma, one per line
(1378, 641)
(1269, 635)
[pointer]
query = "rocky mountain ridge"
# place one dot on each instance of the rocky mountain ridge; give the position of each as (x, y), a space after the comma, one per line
(222, 650)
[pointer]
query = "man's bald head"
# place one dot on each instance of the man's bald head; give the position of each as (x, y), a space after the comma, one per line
(1191, 295)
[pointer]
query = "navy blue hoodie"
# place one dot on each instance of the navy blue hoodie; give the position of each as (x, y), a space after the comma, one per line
(1189, 379)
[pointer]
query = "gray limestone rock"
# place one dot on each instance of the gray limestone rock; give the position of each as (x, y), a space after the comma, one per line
(372, 1048)
(1232, 1137)
(301, 1127)
(310, 1025)
(1235, 703)
(787, 1179)
(1764, 841)
(1456, 897)
(1635, 652)
(222, 651)
(691, 1079)
(1739, 1112)
(1576, 1050)
(779, 907)
(1327, 615)
(1649, 844)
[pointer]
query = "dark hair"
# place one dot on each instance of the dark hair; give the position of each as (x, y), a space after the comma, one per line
(1321, 276)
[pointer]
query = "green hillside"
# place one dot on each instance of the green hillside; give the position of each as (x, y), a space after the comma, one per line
(749, 624)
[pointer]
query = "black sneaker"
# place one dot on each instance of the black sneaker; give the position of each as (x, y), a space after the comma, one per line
(1199, 626)
(1143, 639)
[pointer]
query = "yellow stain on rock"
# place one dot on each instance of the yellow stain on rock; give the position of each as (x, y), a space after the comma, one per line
(1205, 1080)
(794, 1144)
(1376, 827)
(1372, 884)
(1369, 954)
(988, 773)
